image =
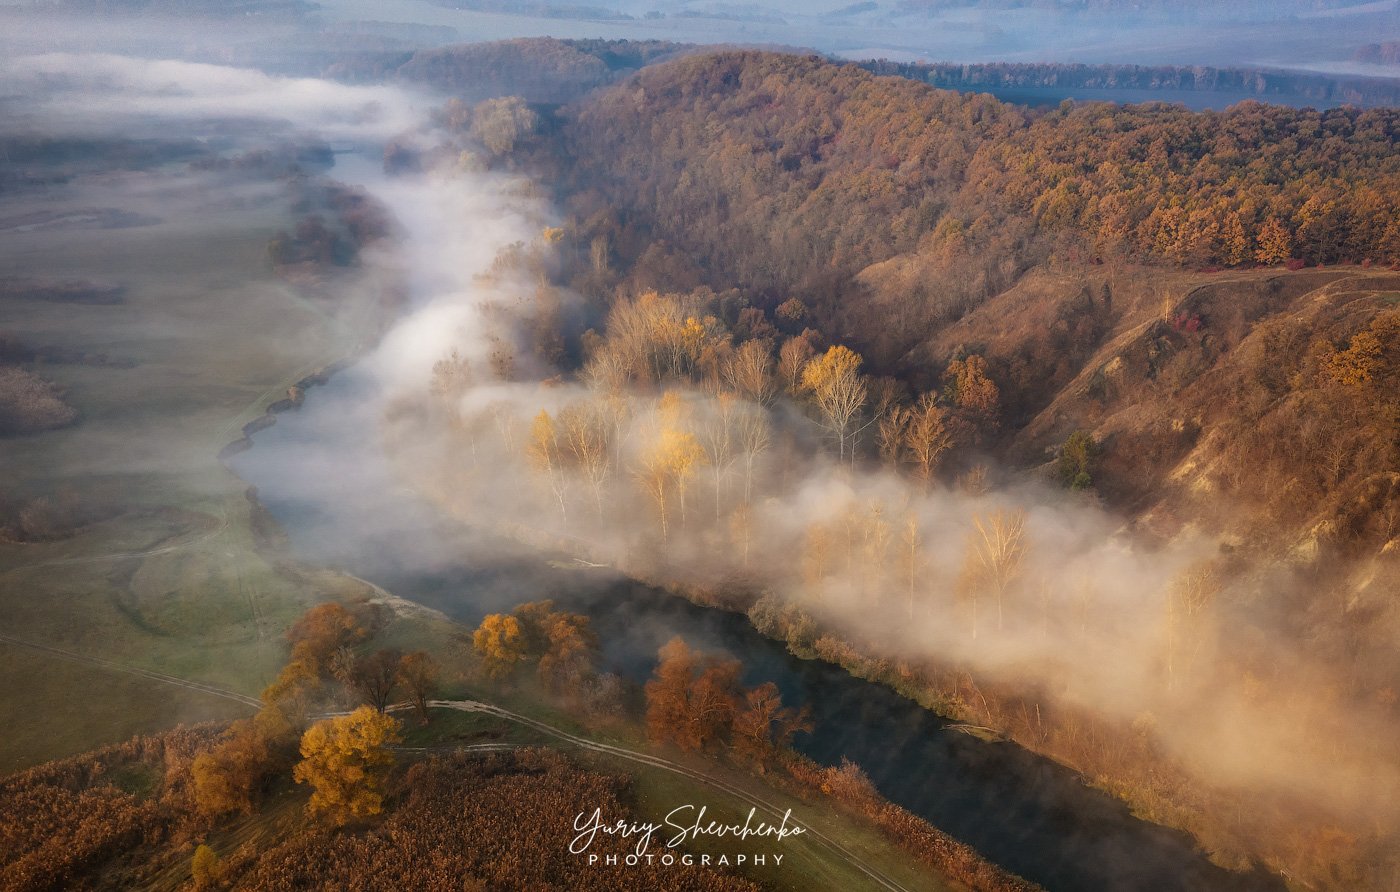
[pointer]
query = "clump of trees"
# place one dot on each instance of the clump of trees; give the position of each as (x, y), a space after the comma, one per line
(29, 403)
(233, 774)
(711, 423)
(502, 124)
(696, 701)
(561, 645)
(993, 561)
(337, 222)
(45, 518)
(328, 663)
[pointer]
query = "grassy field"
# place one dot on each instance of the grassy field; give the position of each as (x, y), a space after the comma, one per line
(170, 579)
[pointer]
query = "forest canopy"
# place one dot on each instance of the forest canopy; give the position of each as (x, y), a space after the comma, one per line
(780, 170)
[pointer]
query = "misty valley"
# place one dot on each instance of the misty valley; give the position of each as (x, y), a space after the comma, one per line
(967, 432)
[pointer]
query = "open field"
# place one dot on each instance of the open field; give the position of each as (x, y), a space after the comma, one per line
(168, 577)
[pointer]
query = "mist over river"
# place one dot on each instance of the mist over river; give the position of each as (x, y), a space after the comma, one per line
(322, 473)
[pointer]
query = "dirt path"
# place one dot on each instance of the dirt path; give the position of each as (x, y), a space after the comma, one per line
(131, 670)
(667, 765)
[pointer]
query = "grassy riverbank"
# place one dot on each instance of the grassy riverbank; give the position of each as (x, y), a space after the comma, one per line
(162, 571)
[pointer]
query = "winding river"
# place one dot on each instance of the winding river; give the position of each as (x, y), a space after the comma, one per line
(329, 486)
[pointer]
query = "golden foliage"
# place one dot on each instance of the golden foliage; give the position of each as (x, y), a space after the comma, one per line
(839, 391)
(206, 868)
(345, 760)
(499, 642)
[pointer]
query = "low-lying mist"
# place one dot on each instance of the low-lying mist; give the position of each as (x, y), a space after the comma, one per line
(671, 451)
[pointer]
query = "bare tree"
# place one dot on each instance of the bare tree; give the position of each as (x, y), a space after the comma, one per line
(911, 558)
(741, 527)
(670, 462)
(653, 475)
(817, 544)
(587, 432)
(876, 548)
(607, 370)
(376, 676)
(749, 372)
(1190, 596)
(755, 436)
(997, 549)
(718, 438)
(891, 432)
(974, 482)
(598, 255)
(451, 378)
(418, 673)
(792, 359)
(927, 436)
(504, 415)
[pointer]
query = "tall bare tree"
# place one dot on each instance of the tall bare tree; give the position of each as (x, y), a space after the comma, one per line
(792, 359)
(749, 372)
(719, 440)
(875, 548)
(927, 436)
(587, 435)
(891, 432)
(912, 561)
(997, 549)
(755, 436)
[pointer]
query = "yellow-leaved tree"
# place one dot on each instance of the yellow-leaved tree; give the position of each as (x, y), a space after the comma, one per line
(672, 458)
(500, 642)
(547, 454)
(345, 760)
(839, 391)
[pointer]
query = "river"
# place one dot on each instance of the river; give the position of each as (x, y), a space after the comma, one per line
(329, 485)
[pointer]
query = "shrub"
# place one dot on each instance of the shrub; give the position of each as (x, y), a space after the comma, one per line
(29, 404)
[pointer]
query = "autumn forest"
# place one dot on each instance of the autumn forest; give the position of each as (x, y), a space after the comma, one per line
(415, 444)
(976, 400)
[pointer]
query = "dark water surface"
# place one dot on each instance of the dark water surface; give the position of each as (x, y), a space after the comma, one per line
(326, 482)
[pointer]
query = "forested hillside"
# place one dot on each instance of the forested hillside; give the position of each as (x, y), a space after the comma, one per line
(842, 202)
(1189, 318)
(791, 175)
